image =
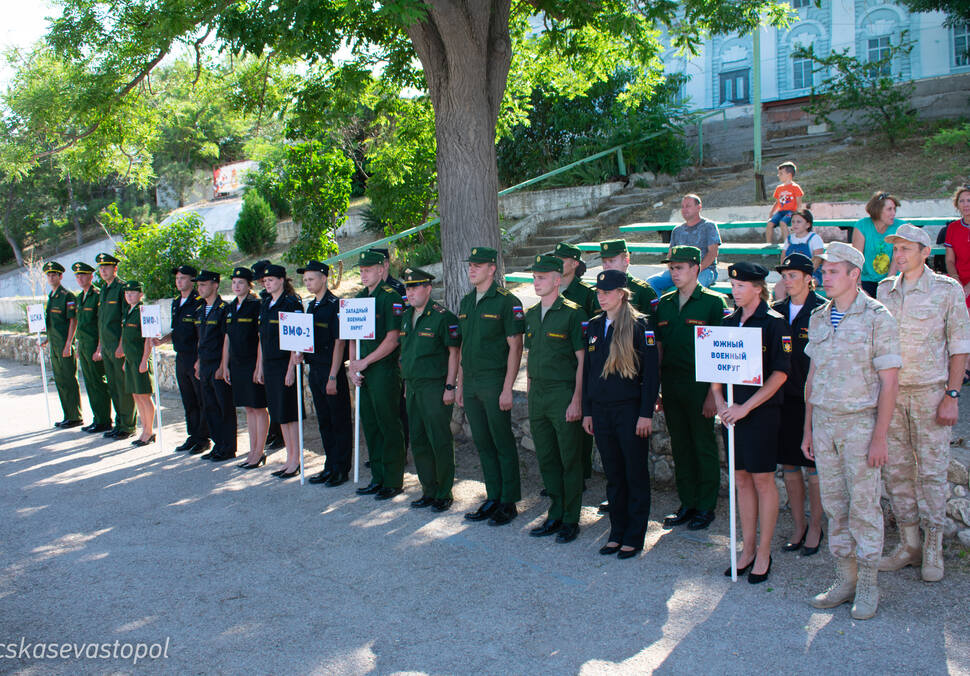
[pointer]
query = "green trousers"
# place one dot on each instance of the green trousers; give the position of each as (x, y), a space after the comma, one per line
(697, 466)
(380, 416)
(65, 379)
(95, 384)
(124, 404)
(432, 444)
(559, 447)
(491, 429)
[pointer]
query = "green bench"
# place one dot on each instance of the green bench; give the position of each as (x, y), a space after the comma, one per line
(732, 225)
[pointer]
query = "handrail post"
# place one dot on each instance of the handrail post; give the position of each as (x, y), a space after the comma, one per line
(619, 161)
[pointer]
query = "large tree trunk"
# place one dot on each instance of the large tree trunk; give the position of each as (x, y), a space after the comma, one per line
(72, 207)
(8, 205)
(465, 49)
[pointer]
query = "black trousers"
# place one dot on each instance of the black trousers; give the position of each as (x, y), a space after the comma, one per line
(220, 413)
(625, 462)
(333, 417)
(190, 389)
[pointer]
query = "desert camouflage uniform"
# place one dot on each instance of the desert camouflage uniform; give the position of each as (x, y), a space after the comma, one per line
(933, 325)
(845, 389)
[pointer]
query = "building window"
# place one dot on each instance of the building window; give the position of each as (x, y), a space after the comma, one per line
(735, 86)
(798, 4)
(802, 74)
(961, 45)
(879, 48)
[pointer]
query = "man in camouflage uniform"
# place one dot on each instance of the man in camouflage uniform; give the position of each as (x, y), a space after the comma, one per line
(934, 333)
(850, 392)
(61, 319)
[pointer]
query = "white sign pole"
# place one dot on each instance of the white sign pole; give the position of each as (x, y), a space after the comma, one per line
(151, 327)
(158, 398)
(299, 416)
(36, 324)
(732, 499)
(296, 335)
(43, 377)
(357, 425)
(358, 322)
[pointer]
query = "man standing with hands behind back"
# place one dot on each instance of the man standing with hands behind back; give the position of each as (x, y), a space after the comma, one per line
(87, 343)
(111, 308)
(61, 317)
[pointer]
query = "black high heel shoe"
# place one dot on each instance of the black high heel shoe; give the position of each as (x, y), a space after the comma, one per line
(809, 551)
(756, 578)
(139, 442)
(741, 571)
(254, 465)
(289, 475)
(795, 546)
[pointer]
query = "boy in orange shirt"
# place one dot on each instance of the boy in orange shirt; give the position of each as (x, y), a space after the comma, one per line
(788, 200)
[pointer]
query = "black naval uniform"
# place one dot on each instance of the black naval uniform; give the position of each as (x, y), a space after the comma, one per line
(274, 435)
(185, 340)
(242, 331)
(282, 399)
(220, 413)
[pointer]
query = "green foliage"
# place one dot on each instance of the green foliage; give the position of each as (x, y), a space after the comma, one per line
(256, 225)
(150, 251)
(268, 180)
(954, 138)
(318, 189)
(957, 11)
(862, 90)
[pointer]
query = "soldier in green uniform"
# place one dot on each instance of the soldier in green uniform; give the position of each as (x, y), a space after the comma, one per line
(136, 352)
(377, 373)
(492, 323)
(688, 405)
(87, 344)
(111, 308)
(555, 339)
(429, 365)
(616, 256)
(61, 320)
(573, 288)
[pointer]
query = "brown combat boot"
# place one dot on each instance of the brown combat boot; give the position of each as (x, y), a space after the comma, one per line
(907, 552)
(843, 589)
(866, 592)
(933, 554)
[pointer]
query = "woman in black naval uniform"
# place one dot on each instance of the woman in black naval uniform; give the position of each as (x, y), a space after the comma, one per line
(797, 308)
(276, 368)
(756, 416)
(620, 384)
(239, 353)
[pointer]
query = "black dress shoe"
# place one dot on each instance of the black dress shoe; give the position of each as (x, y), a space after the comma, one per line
(484, 511)
(369, 489)
(94, 429)
(222, 457)
(701, 520)
(185, 445)
(336, 479)
(123, 434)
(567, 533)
(795, 546)
(680, 517)
(199, 448)
(503, 514)
(604, 507)
(628, 553)
(321, 477)
(548, 527)
(111, 434)
(89, 428)
(210, 454)
(68, 424)
(61, 423)
(757, 578)
(810, 551)
(387, 493)
(139, 442)
(607, 550)
(423, 501)
(442, 504)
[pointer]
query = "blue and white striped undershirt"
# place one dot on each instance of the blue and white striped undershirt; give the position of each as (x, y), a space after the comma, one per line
(836, 317)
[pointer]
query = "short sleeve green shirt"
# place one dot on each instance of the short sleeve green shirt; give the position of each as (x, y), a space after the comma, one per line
(389, 309)
(111, 308)
(61, 309)
(485, 327)
(425, 343)
(87, 319)
(553, 341)
(675, 326)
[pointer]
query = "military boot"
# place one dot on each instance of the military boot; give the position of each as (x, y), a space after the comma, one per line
(933, 554)
(843, 589)
(907, 552)
(866, 592)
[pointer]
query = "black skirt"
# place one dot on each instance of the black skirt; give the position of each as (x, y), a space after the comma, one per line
(790, 434)
(244, 391)
(756, 440)
(281, 400)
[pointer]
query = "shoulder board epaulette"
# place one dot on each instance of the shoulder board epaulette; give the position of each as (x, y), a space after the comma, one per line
(775, 314)
(570, 304)
(669, 294)
(388, 288)
(502, 290)
(438, 308)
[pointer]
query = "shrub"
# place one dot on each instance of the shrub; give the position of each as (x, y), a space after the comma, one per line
(256, 225)
(957, 138)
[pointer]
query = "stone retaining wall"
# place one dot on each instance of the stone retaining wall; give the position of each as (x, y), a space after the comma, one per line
(22, 348)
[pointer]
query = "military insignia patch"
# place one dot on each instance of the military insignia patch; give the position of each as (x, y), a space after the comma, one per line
(517, 311)
(727, 311)
(786, 343)
(650, 338)
(592, 340)
(655, 302)
(585, 326)
(398, 309)
(453, 331)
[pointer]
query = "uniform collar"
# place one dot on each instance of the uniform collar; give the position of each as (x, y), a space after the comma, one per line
(697, 292)
(858, 304)
(556, 304)
(922, 284)
(492, 290)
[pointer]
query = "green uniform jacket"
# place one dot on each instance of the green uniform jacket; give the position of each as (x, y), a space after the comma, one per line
(388, 308)
(424, 344)
(644, 297)
(675, 326)
(485, 327)
(553, 342)
(87, 320)
(111, 308)
(581, 294)
(61, 309)
(132, 342)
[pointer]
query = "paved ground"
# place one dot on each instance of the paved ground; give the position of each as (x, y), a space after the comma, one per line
(231, 571)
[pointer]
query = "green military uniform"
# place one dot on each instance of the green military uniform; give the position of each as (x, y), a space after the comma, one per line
(87, 344)
(111, 309)
(697, 468)
(380, 392)
(425, 343)
(643, 298)
(133, 345)
(60, 311)
(553, 341)
(486, 324)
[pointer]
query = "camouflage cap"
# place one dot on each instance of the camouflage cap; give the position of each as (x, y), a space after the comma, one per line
(840, 251)
(909, 233)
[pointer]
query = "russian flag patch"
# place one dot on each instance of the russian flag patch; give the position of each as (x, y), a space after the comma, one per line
(650, 338)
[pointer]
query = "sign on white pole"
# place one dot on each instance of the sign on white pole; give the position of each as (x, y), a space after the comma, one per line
(358, 321)
(296, 335)
(151, 321)
(37, 324)
(730, 355)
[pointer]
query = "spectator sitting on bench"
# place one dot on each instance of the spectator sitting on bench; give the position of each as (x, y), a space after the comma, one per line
(694, 231)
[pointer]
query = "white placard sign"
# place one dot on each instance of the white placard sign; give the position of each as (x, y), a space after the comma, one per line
(296, 332)
(357, 318)
(727, 354)
(35, 318)
(151, 321)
